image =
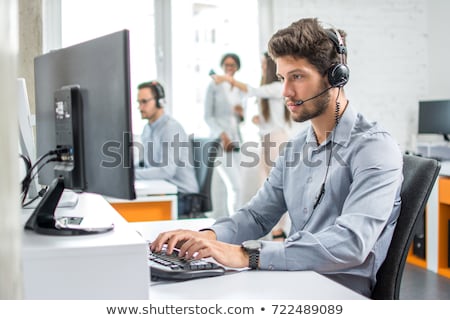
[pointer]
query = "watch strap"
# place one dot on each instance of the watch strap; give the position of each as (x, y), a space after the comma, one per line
(253, 259)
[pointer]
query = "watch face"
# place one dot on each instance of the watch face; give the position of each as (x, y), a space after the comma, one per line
(252, 244)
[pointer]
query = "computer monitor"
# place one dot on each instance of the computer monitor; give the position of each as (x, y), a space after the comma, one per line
(83, 124)
(434, 117)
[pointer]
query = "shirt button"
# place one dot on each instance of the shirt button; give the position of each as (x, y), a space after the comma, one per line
(309, 180)
(305, 210)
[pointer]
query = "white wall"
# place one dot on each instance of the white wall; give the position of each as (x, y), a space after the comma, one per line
(10, 274)
(389, 43)
(438, 50)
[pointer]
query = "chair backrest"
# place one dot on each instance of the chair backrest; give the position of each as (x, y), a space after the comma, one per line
(419, 176)
(205, 151)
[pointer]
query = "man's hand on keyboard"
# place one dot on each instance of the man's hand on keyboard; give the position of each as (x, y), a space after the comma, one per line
(176, 238)
(202, 244)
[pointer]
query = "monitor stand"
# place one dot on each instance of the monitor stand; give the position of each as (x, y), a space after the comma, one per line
(69, 199)
(44, 221)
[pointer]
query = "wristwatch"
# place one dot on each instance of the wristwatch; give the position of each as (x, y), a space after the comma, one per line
(252, 247)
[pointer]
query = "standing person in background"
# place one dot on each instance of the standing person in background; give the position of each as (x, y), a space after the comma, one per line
(274, 123)
(273, 120)
(223, 114)
(166, 155)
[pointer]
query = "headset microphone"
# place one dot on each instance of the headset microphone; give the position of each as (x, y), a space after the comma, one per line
(300, 102)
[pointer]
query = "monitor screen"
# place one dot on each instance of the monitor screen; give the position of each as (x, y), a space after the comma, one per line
(434, 117)
(83, 122)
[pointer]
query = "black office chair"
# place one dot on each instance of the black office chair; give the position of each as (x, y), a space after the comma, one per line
(419, 177)
(205, 151)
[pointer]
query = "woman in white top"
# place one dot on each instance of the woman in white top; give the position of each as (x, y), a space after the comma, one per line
(273, 120)
(223, 114)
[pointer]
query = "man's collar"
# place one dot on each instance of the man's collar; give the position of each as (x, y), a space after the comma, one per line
(159, 122)
(341, 133)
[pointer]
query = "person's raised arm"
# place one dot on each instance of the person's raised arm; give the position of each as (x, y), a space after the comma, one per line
(234, 83)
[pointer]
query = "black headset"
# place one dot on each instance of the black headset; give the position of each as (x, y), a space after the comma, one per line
(338, 73)
(158, 90)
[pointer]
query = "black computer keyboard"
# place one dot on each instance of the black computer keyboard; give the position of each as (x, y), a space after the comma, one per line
(173, 267)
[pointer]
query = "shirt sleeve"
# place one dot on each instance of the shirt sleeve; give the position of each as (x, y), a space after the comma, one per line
(258, 217)
(271, 90)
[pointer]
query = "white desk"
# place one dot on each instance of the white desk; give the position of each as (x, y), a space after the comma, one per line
(293, 285)
(244, 284)
(112, 265)
(154, 187)
(149, 230)
(155, 200)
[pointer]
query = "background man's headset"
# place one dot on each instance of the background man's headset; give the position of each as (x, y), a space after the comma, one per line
(158, 91)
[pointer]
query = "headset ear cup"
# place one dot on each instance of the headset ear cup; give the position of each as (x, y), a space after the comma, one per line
(160, 95)
(338, 75)
(160, 89)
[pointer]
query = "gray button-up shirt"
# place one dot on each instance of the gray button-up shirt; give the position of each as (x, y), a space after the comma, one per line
(168, 155)
(347, 235)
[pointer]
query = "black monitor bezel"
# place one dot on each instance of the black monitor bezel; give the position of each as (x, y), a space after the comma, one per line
(434, 117)
(101, 69)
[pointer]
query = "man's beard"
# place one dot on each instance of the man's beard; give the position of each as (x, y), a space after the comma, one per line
(319, 107)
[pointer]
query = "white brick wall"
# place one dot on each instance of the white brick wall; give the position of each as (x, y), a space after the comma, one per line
(388, 43)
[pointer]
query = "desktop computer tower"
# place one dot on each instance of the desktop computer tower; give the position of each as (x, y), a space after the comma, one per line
(419, 240)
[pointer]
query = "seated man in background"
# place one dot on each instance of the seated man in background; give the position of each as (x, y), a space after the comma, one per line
(339, 180)
(166, 146)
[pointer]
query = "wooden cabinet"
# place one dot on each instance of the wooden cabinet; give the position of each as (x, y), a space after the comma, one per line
(437, 219)
(443, 226)
(152, 209)
(437, 227)
(156, 200)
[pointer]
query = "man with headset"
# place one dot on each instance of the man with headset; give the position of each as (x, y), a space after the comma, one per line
(166, 147)
(339, 179)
